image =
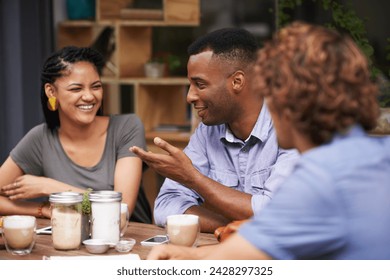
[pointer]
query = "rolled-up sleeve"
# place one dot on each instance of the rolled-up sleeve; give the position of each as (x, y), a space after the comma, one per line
(173, 199)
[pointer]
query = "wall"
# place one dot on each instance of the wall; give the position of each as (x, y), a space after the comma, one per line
(25, 28)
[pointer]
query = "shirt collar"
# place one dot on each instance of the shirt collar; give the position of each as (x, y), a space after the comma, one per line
(261, 129)
(352, 131)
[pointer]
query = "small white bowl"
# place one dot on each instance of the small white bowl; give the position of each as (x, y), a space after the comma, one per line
(125, 245)
(96, 246)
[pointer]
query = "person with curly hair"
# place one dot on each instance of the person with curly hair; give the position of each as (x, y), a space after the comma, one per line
(335, 204)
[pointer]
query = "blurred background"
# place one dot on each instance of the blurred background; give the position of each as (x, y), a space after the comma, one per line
(28, 33)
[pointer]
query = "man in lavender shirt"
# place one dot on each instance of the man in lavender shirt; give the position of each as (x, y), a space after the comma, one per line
(232, 164)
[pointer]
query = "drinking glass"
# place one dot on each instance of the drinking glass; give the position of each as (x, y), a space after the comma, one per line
(183, 229)
(19, 233)
(125, 215)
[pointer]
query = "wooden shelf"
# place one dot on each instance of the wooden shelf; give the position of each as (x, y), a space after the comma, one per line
(177, 139)
(147, 81)
(78, 23)
(120, 22)
(175, 12)
(181, 136)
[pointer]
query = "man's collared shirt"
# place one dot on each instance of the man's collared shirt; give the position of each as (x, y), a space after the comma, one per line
(256, 166)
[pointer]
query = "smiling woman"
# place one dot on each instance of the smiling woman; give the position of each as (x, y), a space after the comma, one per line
(71, 72)
(79, 94)
(77, 148)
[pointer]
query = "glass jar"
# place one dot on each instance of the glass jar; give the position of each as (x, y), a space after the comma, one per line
(106, 215)
(66, 217)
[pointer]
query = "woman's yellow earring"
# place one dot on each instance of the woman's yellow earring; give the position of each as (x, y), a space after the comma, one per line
(52, 103)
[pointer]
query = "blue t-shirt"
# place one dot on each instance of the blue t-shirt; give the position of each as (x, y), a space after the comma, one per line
(335, 205)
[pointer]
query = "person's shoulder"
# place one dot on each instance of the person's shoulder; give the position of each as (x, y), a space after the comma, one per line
(124, 118)
(34, 138)
(386, 141)
(349, 152)
(39, 130)
(125, 122)
(384, 145)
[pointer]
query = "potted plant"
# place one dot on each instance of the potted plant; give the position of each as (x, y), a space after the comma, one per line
(86, 213)
(154, 69)
(161, 64)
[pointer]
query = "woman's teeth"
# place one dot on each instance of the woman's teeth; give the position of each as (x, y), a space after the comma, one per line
(85, 107)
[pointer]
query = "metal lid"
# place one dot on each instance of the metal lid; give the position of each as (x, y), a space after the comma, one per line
(105, 196)
(66, 197)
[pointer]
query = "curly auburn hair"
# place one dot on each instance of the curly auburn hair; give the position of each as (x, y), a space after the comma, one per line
(321, 77)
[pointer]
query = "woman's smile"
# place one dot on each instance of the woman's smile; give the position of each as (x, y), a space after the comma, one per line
(86, 107)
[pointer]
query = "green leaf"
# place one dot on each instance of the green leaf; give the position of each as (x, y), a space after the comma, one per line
(86, 204)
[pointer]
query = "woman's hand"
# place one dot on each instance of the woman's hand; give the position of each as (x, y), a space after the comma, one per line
(26, 186)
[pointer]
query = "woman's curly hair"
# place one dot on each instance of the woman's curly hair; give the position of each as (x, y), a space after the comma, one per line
(321, 77)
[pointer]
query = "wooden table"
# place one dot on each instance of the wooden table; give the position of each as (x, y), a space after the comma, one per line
(138, 231)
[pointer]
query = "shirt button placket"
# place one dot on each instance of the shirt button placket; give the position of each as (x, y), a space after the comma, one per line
(243, 161)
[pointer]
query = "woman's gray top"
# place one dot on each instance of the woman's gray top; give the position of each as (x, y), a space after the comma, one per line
(40, 153)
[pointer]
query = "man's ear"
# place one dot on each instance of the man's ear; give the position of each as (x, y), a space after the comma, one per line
(238, 80)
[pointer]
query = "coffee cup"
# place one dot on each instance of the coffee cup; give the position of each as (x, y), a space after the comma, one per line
(124, 218)
(19, 234)
(183, 229)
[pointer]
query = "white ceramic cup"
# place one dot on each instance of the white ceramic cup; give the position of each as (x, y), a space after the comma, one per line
(19, 234)
(183, 229)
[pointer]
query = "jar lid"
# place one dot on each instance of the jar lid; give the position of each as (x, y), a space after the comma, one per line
(105, 196)
(66, 197)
